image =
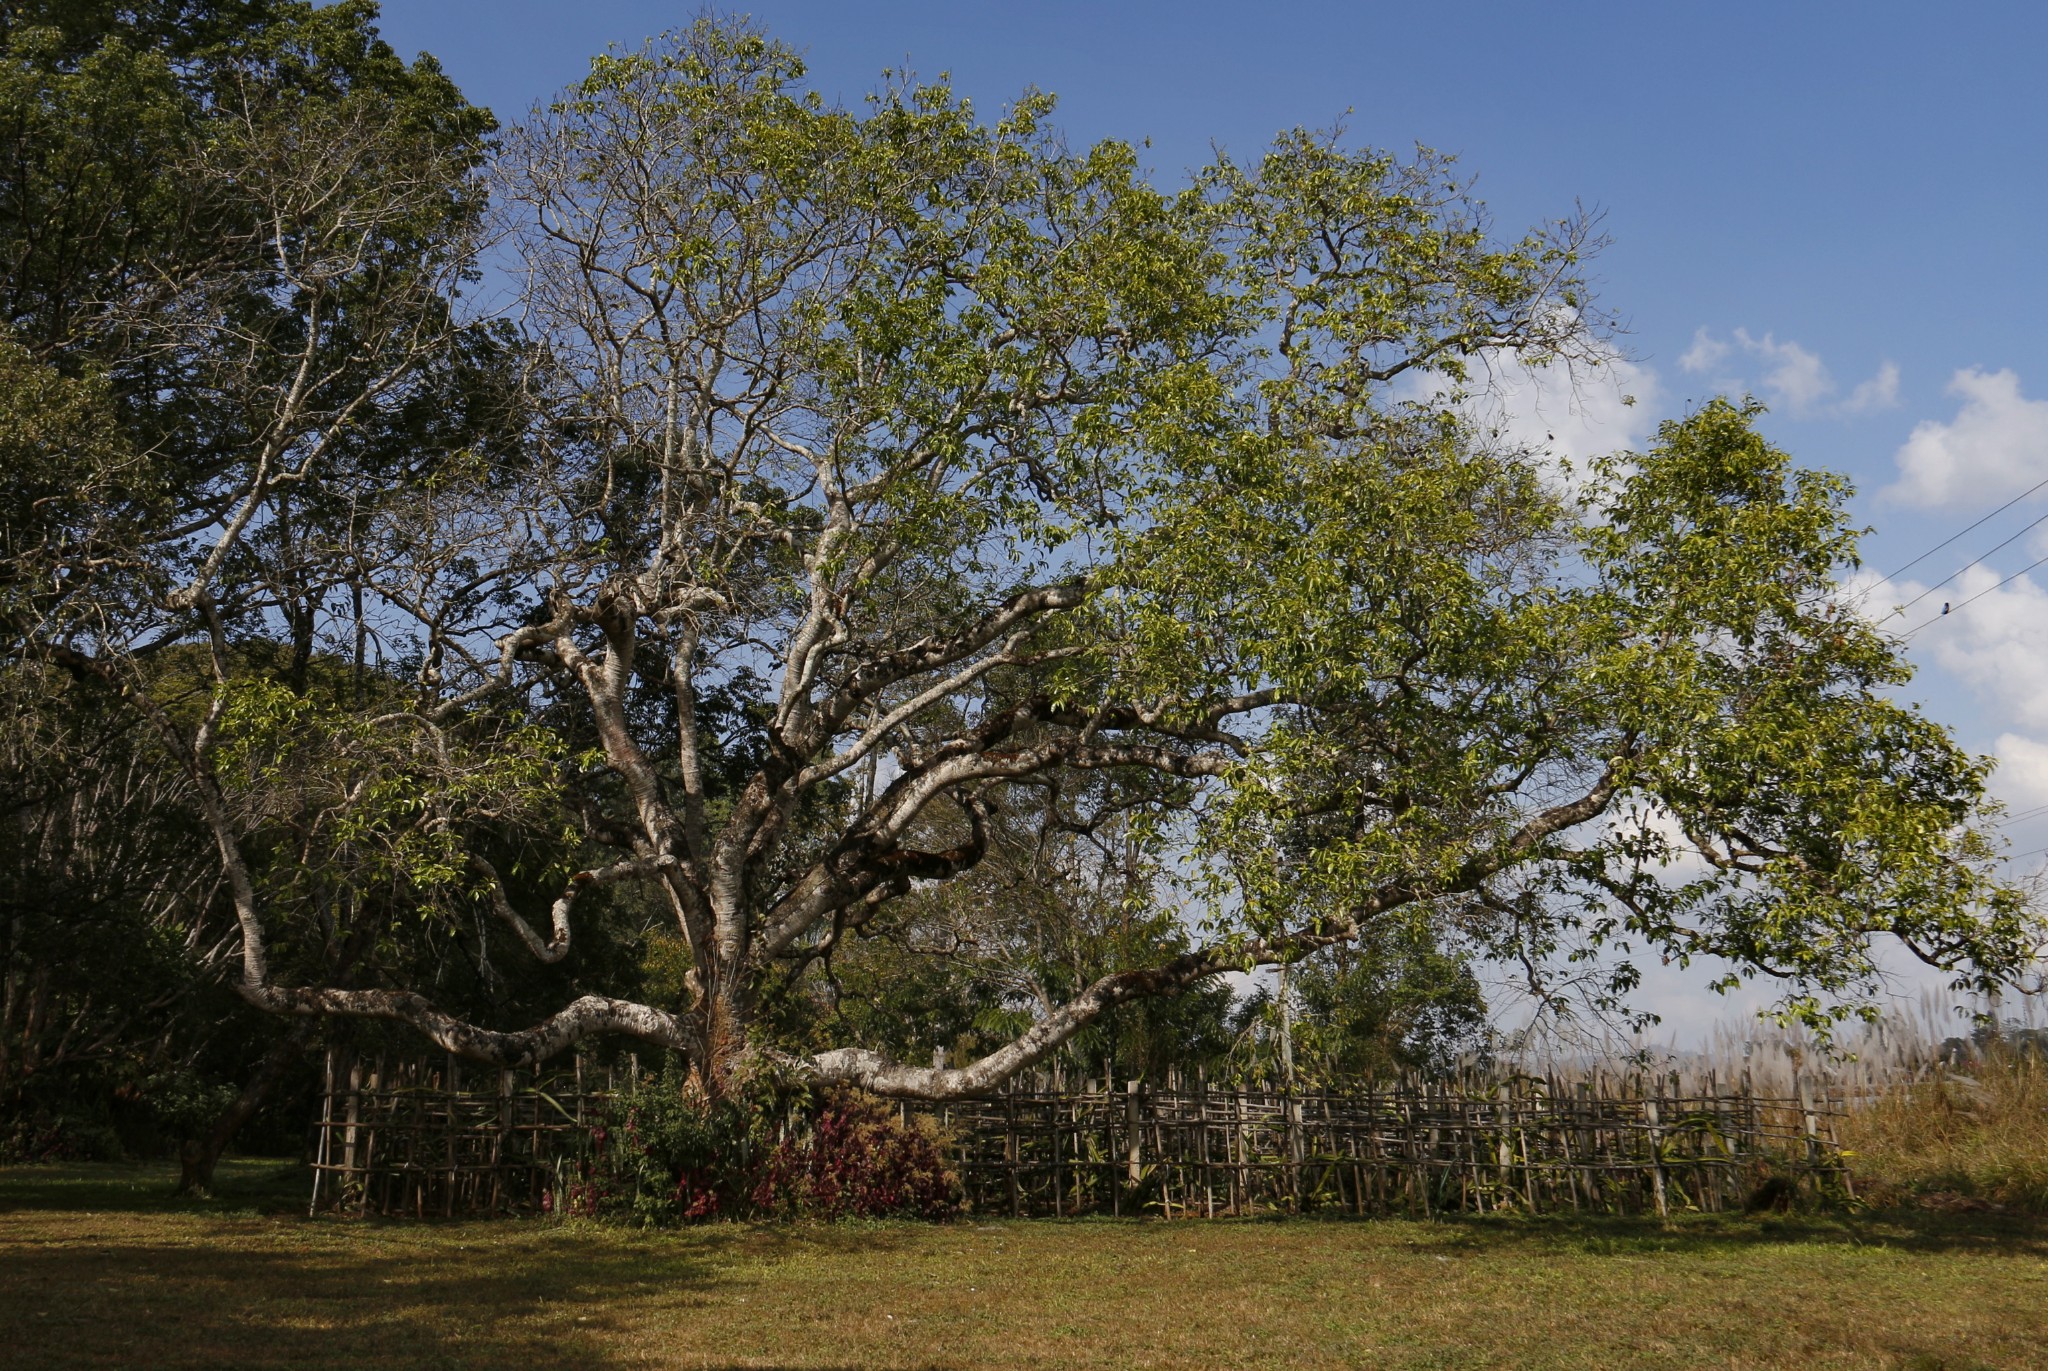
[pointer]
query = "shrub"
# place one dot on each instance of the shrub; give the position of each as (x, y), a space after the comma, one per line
(857, 1160)
(45, 1137)
(666, 1152)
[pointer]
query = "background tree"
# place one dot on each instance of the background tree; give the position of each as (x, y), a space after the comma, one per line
(111, 1001)
(1395, 1002)
(229, 239)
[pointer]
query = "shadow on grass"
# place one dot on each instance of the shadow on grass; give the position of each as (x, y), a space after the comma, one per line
(193, 1305)
(2006, 1232)
(296, 1294)
(101, 1267)
(242, 1185)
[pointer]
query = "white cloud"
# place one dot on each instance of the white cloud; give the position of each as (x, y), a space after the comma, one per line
(1651, 819)
(2022, 776)
(1990, 637)
(1564, 414)
(2022, 782)
(1997, 642)
(1995, 446)
(1879, 392)
(1793, 379)
(1875, 596)
(1797, 380)
(1706, 353)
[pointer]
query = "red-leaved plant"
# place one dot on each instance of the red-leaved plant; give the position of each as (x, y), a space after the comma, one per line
(858, 1160)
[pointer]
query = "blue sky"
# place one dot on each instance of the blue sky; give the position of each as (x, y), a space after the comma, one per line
(1839, 207)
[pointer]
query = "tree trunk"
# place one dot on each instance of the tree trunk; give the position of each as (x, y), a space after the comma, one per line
(198, 1157)
(723, 1020)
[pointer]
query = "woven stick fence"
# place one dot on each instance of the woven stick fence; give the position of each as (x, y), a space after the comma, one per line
(1603, 1145)
(427, 1138)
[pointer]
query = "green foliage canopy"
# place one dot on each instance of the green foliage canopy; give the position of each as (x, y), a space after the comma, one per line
(860, 482)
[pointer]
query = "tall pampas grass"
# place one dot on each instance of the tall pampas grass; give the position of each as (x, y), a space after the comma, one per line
(1939, 1104)
(1972, 1135)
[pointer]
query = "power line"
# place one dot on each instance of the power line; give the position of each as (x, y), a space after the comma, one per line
(1967, 565)
(1893, 575)
(1946, 610)
(2021, 817)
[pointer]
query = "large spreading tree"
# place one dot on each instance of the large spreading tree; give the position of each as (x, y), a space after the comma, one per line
(871, 484)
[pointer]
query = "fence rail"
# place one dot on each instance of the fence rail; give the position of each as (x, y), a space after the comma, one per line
(424, 1138)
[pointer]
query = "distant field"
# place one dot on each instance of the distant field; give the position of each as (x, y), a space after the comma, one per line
(97, 1269)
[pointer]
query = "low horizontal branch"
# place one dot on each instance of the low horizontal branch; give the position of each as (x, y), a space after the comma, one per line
(581, 1018)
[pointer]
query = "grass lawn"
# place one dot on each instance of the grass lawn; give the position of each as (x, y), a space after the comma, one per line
(99, 1268)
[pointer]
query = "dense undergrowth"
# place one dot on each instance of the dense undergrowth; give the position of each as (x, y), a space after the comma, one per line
(667, 1153)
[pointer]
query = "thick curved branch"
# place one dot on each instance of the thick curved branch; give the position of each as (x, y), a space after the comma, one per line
(584, 1017)
(556, 946)
(932, 654)
(878, 732)
(871, 1071)
(867, 871)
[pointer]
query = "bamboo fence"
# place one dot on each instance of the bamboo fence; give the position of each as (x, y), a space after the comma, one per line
(1601, 1144)
(425, 1138)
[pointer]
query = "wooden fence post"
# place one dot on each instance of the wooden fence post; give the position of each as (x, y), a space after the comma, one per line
(504, 1134)
(1133, 1138)
(348, 1137)
(1835, 1141)
(1296, 1152)
(323, 1148)
(1654, 1116)
(1813, 1152)
(454, 1084)
(1010, 1152)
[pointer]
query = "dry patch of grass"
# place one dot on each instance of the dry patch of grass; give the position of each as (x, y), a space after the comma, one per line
(1976, 1135)
(96, 1271)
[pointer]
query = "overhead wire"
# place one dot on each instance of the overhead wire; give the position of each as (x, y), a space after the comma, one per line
(1946, 610)
(2021, 817)
(1901, 609)
(1953, 537)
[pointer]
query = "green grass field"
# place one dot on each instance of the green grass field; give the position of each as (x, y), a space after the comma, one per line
(98, 1268)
